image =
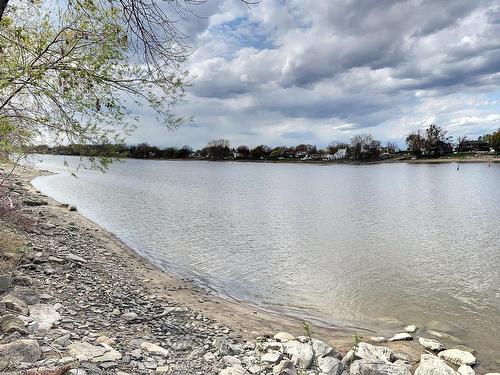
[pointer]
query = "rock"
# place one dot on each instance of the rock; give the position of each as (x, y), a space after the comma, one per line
(72, 208)
(209, 357)
(401, 337)
(55, 259)
(458, 357)
(271, 357)
(410, 328)
(84, 351)
(373, 353)
(466, 370)
(378, 339)
(162, 369)
(445, 336)
(330, 366)
(35, 202)
(400, 356)
(10, 323)
(464, 348)
(75, 258)
(5, 283)
(130, 316)
(104, 340)
(15, 304)
(21, 351)
(285, 367)
(432, 365)
(370, 367)
(27, 295)
(223, 346)
(322, 349)
(230, 360)
(430, 344)
(283, 337)
(301, 353)
(44, 316)
(234, 370)
(62, 341)
(154, 349)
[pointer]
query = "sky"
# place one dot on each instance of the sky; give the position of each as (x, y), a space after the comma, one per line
(286, 72)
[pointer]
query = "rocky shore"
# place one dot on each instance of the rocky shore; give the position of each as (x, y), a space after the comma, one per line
(71, 303)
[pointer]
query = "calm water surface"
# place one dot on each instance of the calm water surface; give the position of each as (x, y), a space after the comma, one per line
(375, 246)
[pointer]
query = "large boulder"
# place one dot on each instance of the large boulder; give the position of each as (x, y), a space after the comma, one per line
(458, 357)
(432, 365)
(373, 353)
(466, 370)
(21, 351)
(374, 367)
(301, 353)
(330, 365)
(322, 349)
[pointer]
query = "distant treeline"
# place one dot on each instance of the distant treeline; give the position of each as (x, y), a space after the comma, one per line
(432, 142)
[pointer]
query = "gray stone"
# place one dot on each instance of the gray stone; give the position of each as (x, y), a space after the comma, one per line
(322, 349)
(5, 283)
(15, 304)
(271, 357)
(403, 336)
(330, 366)
(75, 258)
(374, 353)
(466, 370)
(458, 357)
(21, 351)
(374, 367)
(154, 349)
(84, 351)
(130, 316)
(27, 295)
(10, 323)
(432, 365)
(430, 344)
(285, 367)
(411, 328)
(301, 353)
(234, 370)
(283, 337)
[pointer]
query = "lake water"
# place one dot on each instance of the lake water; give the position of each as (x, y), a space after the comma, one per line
(374, 246)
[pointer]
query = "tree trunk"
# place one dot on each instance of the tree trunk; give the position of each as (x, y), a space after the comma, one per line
(3, 5)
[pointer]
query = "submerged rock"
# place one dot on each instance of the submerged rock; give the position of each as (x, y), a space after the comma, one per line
(403, 336)
(430, 344)
(411, 328)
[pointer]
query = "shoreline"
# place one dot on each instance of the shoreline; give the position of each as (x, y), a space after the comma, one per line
(230, 319)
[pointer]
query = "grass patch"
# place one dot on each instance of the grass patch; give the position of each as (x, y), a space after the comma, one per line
(12, 248)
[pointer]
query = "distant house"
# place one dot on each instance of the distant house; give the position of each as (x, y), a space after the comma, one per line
(475, 146)
(340, 154)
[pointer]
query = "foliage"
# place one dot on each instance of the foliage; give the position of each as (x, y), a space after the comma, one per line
(67, 76)
(433, 143)
(218, 149)
(493, 140)
(365, 147)
(260, 152)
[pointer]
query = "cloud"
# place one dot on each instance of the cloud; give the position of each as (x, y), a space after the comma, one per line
(316, 70)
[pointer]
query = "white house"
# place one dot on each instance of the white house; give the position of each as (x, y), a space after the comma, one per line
(340, 154)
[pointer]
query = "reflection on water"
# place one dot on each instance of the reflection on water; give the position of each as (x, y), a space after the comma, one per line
(374, 246)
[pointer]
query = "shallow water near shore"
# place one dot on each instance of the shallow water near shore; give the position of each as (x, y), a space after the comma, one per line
(375, 246)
